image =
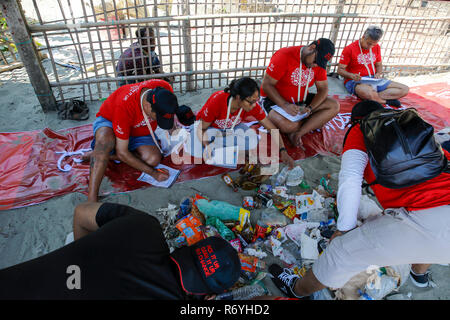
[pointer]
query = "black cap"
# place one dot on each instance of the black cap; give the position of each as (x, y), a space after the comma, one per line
(364, 108)
(164, 104)
(185, 115)
(209, 266)
(325, 51)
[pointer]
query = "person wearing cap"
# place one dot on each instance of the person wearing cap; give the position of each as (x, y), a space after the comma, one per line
(291, 71)
(125, 126)
(413, 229)
(224, 111)
(120, 253)
(362, 58)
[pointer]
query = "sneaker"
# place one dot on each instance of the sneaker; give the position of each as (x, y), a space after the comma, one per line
(420, 280)
(284, 279)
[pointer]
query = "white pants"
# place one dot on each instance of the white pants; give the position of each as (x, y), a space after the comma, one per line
(397, 237)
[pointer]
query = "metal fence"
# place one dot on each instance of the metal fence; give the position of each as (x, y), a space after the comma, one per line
(207, 43)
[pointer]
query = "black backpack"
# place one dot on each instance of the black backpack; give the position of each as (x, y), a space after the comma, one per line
(401, 147)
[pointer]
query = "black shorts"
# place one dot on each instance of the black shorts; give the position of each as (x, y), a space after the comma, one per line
(267, 103)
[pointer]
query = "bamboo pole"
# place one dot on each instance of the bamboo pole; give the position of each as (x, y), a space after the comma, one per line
(15, 18)
(187, 46)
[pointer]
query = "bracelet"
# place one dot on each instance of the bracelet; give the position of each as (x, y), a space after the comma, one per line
(309, 107)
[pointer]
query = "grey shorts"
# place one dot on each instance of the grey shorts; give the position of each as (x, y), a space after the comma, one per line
(397, 237)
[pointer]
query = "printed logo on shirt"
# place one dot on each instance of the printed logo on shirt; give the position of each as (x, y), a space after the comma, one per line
(133, 89)
(307, 76)
(271, 67)
(226, 124)
(119, 129)
(205, 112)
(141, 124)
(366, 58)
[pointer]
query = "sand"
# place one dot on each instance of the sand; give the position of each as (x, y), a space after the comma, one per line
(30, 232)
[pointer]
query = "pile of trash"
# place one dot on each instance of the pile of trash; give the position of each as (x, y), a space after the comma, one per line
(284, 220)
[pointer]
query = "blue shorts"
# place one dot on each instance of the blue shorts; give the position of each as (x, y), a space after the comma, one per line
(350, 86)
(133, 142)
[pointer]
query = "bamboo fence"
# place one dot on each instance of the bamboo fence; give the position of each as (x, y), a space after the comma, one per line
(207, 43)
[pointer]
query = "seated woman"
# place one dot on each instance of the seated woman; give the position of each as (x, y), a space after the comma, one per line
(219, 124)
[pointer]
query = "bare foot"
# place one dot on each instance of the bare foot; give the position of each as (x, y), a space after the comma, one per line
(296, 139)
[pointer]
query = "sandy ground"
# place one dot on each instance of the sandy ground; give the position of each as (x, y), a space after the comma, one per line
(29, 232)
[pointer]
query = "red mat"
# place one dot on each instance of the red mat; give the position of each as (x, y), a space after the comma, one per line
(28, 162)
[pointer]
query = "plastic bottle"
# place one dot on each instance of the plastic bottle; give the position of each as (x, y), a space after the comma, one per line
(317, 215)
(243, 293)
(229, 182)
(223, 211)
(323, 294)
(282, 176)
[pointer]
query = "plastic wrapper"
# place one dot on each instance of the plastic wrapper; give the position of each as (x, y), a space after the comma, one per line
(251, 263)
(306, 202)
(189, 226)
(236, 243)
(225, 232)
(273, 217)
(282, 253)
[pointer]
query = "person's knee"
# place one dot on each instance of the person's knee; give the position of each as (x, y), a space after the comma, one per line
(151, 158)
(366, 93)
(333, 106)
(104, 143)
(285, 126)
(405, 90)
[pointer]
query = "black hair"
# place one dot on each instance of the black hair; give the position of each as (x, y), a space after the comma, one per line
(244, 87)
(363, 108)
(141, 32)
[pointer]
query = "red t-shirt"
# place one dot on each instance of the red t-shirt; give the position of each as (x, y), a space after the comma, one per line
(215, 111)
(284, 67)
(429, 194)
(351, 57)
(123, 109)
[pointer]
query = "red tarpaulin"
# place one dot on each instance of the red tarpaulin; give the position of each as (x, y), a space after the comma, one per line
(28, 160)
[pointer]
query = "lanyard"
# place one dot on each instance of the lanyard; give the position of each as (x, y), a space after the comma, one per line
(228, 114)
(148, 123)
(370, 58)
(300, 80)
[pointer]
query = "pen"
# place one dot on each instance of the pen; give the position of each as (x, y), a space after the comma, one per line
(163, 171)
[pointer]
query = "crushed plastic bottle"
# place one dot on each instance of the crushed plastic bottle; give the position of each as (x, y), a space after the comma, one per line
(282, 176)
(243, 293)
(323, 294)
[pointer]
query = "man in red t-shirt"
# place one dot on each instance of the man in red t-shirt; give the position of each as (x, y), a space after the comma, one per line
(413, 229)
(121, 126)
(362, 58)
(284, 90)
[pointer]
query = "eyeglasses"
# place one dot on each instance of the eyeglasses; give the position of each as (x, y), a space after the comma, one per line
(251, 102)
